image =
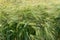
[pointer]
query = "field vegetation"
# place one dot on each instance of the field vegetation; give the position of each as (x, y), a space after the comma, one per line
(29, 20)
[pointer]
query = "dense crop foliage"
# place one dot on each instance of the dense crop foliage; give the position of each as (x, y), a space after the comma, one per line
(29, 22)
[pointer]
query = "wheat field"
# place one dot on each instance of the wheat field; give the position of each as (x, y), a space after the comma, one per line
(29, 19)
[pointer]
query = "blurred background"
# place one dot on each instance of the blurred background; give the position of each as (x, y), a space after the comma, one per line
(29, 19)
